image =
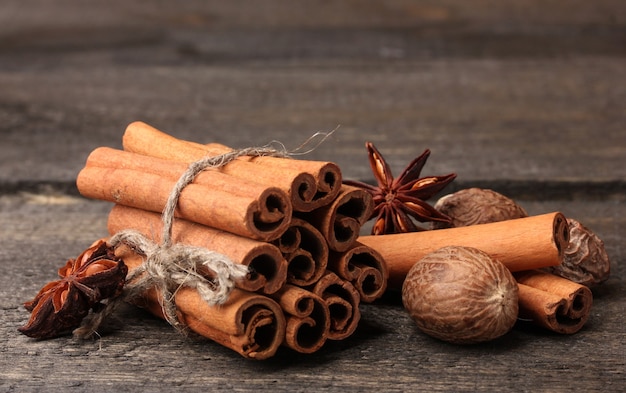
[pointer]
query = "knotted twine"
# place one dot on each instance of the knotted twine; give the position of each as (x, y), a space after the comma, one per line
(168, 267)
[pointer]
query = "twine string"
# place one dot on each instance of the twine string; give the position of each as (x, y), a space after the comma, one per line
(198, 166)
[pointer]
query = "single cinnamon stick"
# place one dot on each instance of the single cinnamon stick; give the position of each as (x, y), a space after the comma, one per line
(308, 318)
(520, 244)
(310, 184)
(242, 215)
(268, 197)
(343, 301)
(306, 252)
(326, 174)
(340, 221)
(553, 302)
(268, 267)
(364, 267)
(253, 325)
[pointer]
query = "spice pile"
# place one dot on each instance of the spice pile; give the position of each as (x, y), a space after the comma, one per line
(294, 225)
(452, 280)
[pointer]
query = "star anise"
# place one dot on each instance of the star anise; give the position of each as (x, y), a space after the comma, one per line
(60, 306)
(397, 202)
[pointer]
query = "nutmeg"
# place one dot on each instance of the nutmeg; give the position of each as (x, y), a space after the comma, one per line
(585, 260)
(461, 295)
(472, 206)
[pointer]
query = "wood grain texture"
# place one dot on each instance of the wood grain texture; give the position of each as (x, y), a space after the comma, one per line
(451, 77)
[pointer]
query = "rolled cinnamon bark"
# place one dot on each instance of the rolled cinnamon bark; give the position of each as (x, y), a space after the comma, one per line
(242, 215)
(327, 177)
(309, 184)
(253, 325)
(343, 301)
(306, 252)
(364, 268)
(553, 302)
(308, 318)
(520, 244)
(269, 197)
(340, 221)
(268, 267)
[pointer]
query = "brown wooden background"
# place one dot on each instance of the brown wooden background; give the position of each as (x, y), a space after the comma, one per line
(525, 97)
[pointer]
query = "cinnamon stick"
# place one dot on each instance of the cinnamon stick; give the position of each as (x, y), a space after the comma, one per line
(309, 184)
(245, 216)
(364, 267)
(553, 302)
(340, 221)
(308, 318)
(253, 325)
(343, 301)
(306, 252)
(268, 268)
(326, 174)
(105, 157)
(520, 244)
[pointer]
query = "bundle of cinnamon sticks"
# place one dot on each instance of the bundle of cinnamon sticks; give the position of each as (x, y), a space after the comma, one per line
(291, 222)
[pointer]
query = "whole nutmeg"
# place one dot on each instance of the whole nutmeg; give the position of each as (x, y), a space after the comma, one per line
(585, 260)
(461, 295)
(472, 206)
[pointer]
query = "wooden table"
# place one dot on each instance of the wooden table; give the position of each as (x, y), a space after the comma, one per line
(525, 98)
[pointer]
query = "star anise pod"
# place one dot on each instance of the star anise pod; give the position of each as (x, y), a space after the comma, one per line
(60, 306)
(398, 201)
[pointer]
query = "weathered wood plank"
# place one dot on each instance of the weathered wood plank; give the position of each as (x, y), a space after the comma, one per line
(507, 120)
